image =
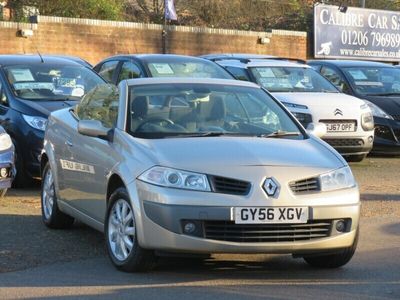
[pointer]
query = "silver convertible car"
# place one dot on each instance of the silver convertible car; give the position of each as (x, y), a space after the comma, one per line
(174, 165)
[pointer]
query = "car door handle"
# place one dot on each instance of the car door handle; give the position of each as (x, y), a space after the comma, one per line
(69, 143)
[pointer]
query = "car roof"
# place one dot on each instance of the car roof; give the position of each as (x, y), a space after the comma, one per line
(77, 59)
(17, 59)
(215, 56)
(349, 63)
(174, 80)
(148, 58)
(260, 63)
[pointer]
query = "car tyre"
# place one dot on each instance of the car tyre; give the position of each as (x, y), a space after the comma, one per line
(121, 239)
(51, 215)
(334, 260)
(356, 158)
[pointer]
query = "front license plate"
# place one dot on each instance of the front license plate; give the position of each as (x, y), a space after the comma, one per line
(340, 127)
(264, 215)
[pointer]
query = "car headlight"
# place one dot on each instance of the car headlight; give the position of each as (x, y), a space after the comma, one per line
(5, 141)
(36, 122)
(377, 111)
(367, 121)
(173, 178)
(287, 104)
(338, 179)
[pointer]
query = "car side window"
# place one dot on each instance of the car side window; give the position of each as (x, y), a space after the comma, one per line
(107, 70)
(129, 70)
(239, 73)
(101, 104)
(334, 77)
(3, 97)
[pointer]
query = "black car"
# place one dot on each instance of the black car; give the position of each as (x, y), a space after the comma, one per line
(120, 67)
(376, 83)
(7, 167)
(31, 87)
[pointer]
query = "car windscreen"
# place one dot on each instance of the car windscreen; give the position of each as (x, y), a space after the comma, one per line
(197, 69)
(292, 79)
(374, 80)
(187, 110)
(49, 82)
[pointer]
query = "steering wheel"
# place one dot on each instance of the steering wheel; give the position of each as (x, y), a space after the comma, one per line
(154, 120)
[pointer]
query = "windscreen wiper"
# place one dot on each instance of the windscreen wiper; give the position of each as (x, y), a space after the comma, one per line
(207, 134)
(280, 133)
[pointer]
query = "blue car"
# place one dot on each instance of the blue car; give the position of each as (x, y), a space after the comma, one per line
(31, 87)
(7, 167)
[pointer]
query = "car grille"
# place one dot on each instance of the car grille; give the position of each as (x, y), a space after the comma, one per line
(229, 186)
(383, 132)
(304, 119)
(344, 142)
(396, 117)
(397, 134)
(305, 185)
(264, 233)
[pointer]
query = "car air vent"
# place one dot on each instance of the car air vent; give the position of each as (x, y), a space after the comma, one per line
(264, 233)
(344, 142)
(229, 186)
(305, 185)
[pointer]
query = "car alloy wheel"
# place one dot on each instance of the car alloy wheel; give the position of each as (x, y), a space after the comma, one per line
(48, 194)
(121, 230)
(52, 216)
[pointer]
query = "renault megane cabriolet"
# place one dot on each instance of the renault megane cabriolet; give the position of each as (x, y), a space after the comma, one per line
(189, 166)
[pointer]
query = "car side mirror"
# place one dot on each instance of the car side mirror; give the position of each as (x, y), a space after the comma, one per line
(93, 128)
(318, 130)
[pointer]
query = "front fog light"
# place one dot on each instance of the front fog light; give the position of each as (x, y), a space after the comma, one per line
(192, 227)
(189, 228)
(3, 172)
(340, 226)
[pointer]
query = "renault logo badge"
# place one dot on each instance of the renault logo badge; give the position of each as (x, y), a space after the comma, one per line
(271, 187)
(338, 112)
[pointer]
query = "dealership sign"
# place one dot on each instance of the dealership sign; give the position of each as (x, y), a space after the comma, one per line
(357, 33)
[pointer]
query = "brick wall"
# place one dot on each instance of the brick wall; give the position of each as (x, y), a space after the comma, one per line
(94, 40)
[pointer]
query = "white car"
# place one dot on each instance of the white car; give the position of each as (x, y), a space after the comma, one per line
(312, 99)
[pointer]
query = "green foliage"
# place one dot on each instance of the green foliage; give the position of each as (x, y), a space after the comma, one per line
(91, 9)
(257, 15)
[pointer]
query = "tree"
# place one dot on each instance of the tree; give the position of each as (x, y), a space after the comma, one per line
(92, 9)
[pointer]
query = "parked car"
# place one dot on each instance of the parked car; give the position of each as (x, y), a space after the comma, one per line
(378, 84)
(7, 167)
(31, 86)
(311, 98)
(120, 67)
(199, 173)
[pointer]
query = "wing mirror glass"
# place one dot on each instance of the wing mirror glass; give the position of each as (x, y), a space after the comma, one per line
(318, 130)
(93, 128)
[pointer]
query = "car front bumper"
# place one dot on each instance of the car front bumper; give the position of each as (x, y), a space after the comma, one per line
(33, 146)
(160, 224)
